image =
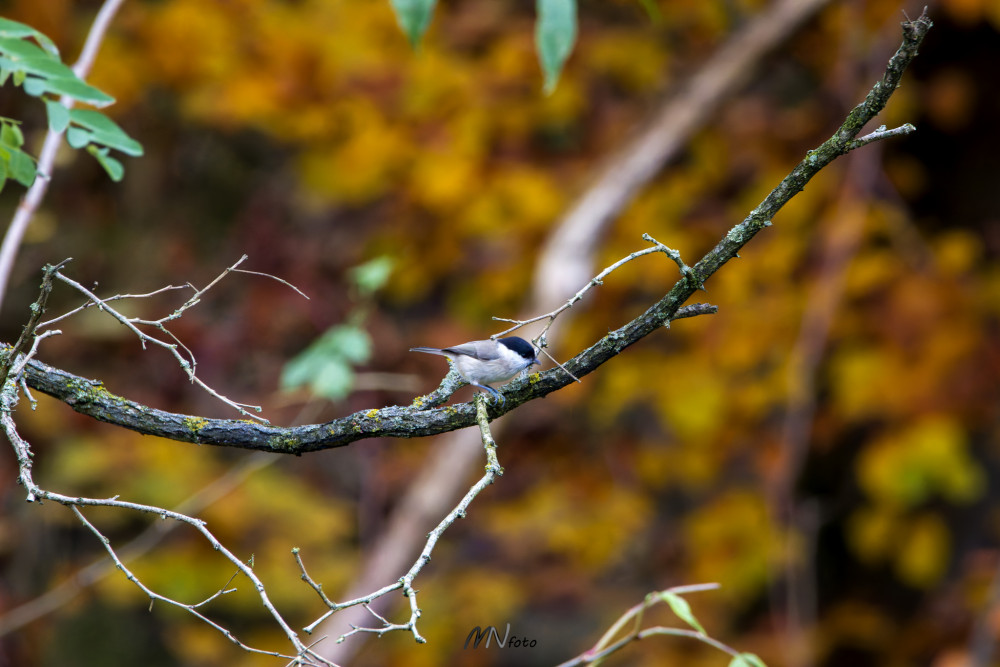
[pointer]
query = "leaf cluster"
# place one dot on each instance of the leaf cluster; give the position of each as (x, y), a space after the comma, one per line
(31, 60)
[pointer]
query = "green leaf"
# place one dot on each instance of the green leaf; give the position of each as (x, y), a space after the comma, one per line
(45, 72)
(32, 85)
(325, 366)
(22, 168)
(746, 660)
(10, 134)
(75, 88)
(297, 372)
(114, 168)
(681, 607)
(58, 115)
(372, 275)
(3, 173)
(348, 342)
(413, 16)
(77, 137)
(10, 28)
(17, 48)
(45, 66)
(105, 131)
(334, 380)
(555, 33)
(652, 11)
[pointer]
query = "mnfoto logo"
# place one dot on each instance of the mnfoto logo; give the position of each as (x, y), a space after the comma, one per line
(491, 633)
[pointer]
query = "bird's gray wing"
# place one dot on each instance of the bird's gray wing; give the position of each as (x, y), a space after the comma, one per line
(484, 350)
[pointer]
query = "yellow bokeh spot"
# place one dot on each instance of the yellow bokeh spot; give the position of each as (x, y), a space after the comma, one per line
(923, 553)
(957, 251)
(928, 458)
(871, 532)
(694, 405)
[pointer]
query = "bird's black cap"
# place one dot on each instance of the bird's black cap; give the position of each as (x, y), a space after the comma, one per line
(519, 345)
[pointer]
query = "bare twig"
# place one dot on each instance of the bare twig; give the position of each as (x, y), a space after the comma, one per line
(882, 133)
(28, 333)
(302, 656)
(185, 358)
(272, 277)
(59, 595)
(117, 297)
(154, 596)
(405, 583)
(593, 282)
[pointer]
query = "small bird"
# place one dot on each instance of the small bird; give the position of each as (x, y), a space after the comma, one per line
(483, 361)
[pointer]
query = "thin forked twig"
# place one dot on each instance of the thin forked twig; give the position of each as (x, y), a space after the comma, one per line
(405, 583)
(606, 645)
(170, 342)
(24, 457)
(594, 282)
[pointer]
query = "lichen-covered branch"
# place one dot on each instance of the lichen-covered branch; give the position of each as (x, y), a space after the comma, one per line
(91, 398)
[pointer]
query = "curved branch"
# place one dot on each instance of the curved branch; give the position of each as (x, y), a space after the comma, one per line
(89, 397)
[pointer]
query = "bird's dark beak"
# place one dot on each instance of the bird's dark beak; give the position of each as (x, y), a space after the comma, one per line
(535, 361)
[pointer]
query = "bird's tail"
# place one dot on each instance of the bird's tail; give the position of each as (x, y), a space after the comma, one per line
(428, 350)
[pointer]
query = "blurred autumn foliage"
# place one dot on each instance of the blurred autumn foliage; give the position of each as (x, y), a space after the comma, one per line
(825, 447)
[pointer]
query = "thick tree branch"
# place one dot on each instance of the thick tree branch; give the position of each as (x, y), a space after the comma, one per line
(91, 398)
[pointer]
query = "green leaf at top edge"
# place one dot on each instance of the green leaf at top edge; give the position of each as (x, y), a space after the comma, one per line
(555, 34)
(413, 17)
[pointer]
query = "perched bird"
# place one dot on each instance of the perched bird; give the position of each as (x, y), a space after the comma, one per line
(483, 361)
